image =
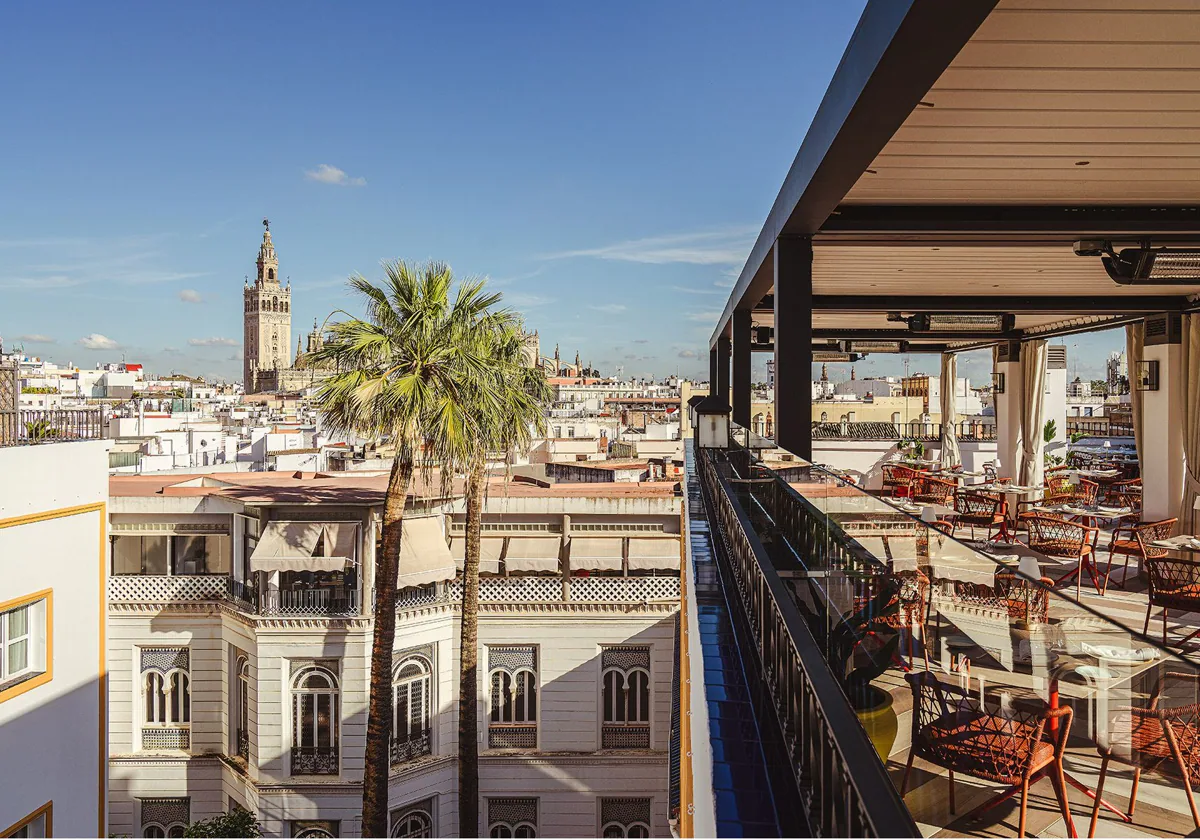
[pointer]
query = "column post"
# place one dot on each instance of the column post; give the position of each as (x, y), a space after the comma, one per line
(1162, 420)
(723, 354)
(741, 367)
(1008, 410)
(793, 344)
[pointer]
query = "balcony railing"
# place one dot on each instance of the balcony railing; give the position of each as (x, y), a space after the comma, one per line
(838, 778)
(243, 744)
(512, 736)
(31, 426)
(966, 431)
(987, 659)
(406, 749)
(1098, 428)
(309, 602)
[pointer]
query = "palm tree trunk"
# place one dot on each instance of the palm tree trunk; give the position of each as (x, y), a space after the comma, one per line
(468, 681)
(379, 703)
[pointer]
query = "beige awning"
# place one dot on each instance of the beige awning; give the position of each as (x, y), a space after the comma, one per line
(532, 554)
(490, 549)
(424, 556)
(597, 554)
(654, 553)
(304, 547)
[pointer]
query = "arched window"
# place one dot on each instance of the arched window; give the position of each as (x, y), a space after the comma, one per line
(636, 829)
(625, 698)
(165, 817)
(896, 417)
(521, 829)
(824, 416)
(156, 830)
(414, 821)
(759, 424)
(243, 707)
(514, 697)
(410, 720)
(166, 699)
(315, 710)
(270, 274)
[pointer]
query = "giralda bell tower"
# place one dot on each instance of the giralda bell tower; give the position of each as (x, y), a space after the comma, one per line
(267, 316)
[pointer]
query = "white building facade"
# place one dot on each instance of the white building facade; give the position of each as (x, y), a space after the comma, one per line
(239, 651)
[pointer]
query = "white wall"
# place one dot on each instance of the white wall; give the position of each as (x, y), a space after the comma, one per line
(53, 734)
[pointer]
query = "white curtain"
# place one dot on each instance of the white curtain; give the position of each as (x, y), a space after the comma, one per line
(1033, 399)
(1135, 342)
(1190, 370)
(950, 453)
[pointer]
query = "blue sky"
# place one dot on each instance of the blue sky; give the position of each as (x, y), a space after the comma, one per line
(608, 166)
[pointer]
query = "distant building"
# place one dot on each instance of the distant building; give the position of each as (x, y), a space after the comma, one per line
(267, 313)
(1116, 372)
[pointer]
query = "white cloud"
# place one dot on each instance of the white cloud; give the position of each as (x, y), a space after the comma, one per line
(212, 342)
(688, 354)
(326, 174)
(609, 308)
(190, 296)
(95, 341)
(690, 291)
(640, 341)
(237, 355)
(715, 247)
(50, 264)
(522, 300)
(707, 315)
(38, 338)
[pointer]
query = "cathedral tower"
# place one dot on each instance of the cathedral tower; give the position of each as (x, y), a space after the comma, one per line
(268, 317)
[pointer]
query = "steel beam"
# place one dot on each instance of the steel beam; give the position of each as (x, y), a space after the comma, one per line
(907, 335)
(897, 51)
(793, 345)
(722, 383)
(1047, 305)
(741, 367)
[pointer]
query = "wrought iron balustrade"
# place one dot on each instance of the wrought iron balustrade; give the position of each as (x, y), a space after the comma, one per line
(625, 736)
(308, 602)
(966, 431)
(840, 782)
(243, 744)
(415, 746)
(314, 761)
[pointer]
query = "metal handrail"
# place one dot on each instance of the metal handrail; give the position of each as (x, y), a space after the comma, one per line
(28, 426)
(844, 788)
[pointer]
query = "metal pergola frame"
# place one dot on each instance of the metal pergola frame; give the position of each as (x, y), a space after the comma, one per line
(898, 51)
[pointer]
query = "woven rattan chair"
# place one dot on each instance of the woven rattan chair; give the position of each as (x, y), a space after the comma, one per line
(952, 729)
(910, 592)
(1022, 600)
(898, 479)
(1166, 740)
(1085, 492)
(935, 491)
(979, 510)
(1174, 585)
(1136, 539)
(1061, 538)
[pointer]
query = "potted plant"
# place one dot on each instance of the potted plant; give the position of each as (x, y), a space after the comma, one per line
(912, 450)
(861, 647)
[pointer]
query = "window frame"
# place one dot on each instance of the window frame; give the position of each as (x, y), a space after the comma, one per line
(297, 735)
(39, 639)
(44, 813)
(425, 677)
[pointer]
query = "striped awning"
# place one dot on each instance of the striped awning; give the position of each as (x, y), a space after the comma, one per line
(424, 556)
(596, 554)
(532, 554)
(490, 549)
(654, 553)
(304, 547)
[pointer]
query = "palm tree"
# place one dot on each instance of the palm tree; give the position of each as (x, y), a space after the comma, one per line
(403, 373)
(508, 403)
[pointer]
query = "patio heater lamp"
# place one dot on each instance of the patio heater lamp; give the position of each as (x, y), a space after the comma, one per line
(957, 321)
(998, 382)
(1144, 264)
(1147, 375)
(691, 408)
(712, 422)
